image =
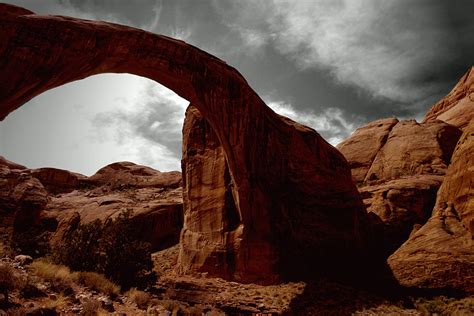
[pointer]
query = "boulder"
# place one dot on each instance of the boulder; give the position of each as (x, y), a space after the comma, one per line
(457, 108)
(441, 253)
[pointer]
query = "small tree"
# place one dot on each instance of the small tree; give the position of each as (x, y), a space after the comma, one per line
(112, 248)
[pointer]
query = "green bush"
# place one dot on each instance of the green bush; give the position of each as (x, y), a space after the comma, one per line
(112, 248)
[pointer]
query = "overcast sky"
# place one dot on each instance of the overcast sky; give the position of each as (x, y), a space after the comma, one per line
(330, 64)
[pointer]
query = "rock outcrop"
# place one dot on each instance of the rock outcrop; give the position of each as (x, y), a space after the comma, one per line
(58, 180)
(399, 167)
(293, 192)
(457, 108)
(441, 253)
(413, 149)
(211, 216)
(41, 205)
(397, 206)
(154, 199)
(363, 145)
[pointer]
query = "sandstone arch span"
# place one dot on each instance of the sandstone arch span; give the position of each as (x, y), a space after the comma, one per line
(292, 191)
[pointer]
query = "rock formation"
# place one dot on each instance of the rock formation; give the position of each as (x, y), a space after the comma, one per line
(363, 145)
(211, 216)
(40, 205)
(58, 180)
(441, 253)
(399, 167)
(154, 199)
(292, 190)
(413, 149)
(457, 108)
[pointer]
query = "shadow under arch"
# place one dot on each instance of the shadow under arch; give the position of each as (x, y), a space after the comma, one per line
(283, 173)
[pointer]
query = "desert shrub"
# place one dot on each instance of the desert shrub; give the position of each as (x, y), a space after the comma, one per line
(59, 276)
(139, 297)
(91, 308)
(112, 248)
(97, 282)
(9, 280)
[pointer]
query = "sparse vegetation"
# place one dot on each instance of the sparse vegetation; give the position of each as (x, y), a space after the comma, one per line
(59, 276)
(9, 281)
(112, 248)
(97, 282)
(91, 308)
(139, 297)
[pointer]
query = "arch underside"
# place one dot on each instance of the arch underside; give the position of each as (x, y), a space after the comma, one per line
(291, 197)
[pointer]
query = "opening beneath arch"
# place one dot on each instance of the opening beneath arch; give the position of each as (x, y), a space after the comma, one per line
(85, 125)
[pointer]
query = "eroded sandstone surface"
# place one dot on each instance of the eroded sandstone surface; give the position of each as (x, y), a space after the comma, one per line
(441, 253)
(399, 166)
(457, 108)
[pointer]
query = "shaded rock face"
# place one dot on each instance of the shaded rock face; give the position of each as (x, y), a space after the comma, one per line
(457, 108)
(399, 167)
(292, 190)
(397, 206)
(363, 145)
(441, 253)
(22, 196)
(58, 180)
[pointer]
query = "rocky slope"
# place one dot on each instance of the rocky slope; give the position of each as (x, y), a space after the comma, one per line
(292, 190)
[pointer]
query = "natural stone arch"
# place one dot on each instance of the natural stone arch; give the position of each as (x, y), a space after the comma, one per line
(292, 190)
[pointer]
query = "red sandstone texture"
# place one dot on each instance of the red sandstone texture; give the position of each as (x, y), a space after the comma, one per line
(399, 166)
(32, 202)
(295, 203)
(363, 145)
(441, 253)
(457, 108)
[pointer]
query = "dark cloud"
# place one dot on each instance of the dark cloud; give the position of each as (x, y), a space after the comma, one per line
(330, 64)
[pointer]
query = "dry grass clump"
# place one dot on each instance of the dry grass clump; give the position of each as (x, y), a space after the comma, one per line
(91, 308)
(62, 278)
(56, 304)
(97, 282)
(59, 276)
(443, 305)
(139, 297)
(9, 280)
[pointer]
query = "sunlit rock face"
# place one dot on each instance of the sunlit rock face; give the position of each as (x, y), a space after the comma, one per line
(457, 108)
(295, 204)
